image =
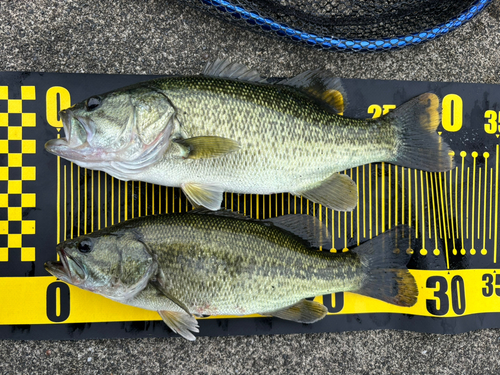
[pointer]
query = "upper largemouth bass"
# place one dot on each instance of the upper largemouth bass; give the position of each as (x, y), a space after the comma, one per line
(226, 264)
(229, 130)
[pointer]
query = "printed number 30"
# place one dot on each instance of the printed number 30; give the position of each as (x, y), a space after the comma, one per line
(457, 295)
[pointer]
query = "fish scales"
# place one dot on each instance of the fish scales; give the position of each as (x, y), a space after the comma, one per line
(225, 266)
(222, 263)
(288, 142)
(227, 131)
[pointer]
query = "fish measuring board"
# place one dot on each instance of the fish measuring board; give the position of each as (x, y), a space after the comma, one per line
(45, 200)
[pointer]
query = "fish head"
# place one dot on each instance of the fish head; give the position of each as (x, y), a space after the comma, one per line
(120, 132)
(117, 265)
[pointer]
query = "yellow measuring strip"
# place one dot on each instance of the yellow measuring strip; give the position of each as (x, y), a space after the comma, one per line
(416, 203)
(452, 211)
(364, 205)
(436, 249)
(357, 205)
(496, 209)
(65, 205)
(92, 202)
(444, 222)
(88, 307)
(99, 199)
(376, 200)
(383, 198)
(72, 198)
(370, 198)
(402, 195)
(85, 202)
(58, 209)
(423, 251)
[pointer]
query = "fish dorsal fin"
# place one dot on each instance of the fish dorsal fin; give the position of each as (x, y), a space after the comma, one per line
(303, 311)
(309, 228)
(322, 85)
(206, 147)
(223, 68)
(180, 323)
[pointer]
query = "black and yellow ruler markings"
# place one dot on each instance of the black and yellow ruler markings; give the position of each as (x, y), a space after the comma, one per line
(388, 196)
(455, 213)
(14, 199)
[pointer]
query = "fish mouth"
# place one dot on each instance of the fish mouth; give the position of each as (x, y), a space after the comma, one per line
(78, 133)
(68, 269)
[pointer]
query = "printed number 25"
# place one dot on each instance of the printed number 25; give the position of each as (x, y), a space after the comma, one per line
(441, 296)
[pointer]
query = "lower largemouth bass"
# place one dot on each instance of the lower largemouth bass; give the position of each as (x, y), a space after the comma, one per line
(195, 264)
(229, 130)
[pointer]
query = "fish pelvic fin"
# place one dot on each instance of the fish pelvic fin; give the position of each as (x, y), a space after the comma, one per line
(384, 259)
(302, 312)
(209, 196)
(338, 192)
(418, 145)
(321, 85)
(181, 323)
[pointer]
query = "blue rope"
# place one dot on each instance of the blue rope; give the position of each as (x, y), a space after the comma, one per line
(341, 44)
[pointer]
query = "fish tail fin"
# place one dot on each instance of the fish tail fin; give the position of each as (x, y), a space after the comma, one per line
(384, 259)
(418, 145)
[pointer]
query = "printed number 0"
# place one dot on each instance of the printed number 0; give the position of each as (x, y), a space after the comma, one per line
(453, 113)
(57, 98)
(58, 306)
(336, 304)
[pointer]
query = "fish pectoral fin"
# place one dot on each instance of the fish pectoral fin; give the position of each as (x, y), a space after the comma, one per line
(181, 323)
(208, 196)
(302, 312)
(307, 227)
(206, 147)
(163, 291)
(338, 192)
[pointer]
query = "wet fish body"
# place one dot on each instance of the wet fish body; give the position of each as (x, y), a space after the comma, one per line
(230, 130)
(205, 264)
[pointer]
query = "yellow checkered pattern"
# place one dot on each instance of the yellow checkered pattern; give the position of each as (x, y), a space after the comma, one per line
(27, 173)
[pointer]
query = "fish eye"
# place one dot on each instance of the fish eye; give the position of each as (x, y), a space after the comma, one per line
(93, 103)
(85, 246)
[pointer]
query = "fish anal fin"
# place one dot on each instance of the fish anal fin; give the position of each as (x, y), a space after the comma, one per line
(181, 323)
(206, 147)
(338, 192)
(205, 195)
(303, 311)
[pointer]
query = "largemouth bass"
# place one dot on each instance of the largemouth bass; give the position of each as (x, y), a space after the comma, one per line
(226, 264)
(228, 130)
